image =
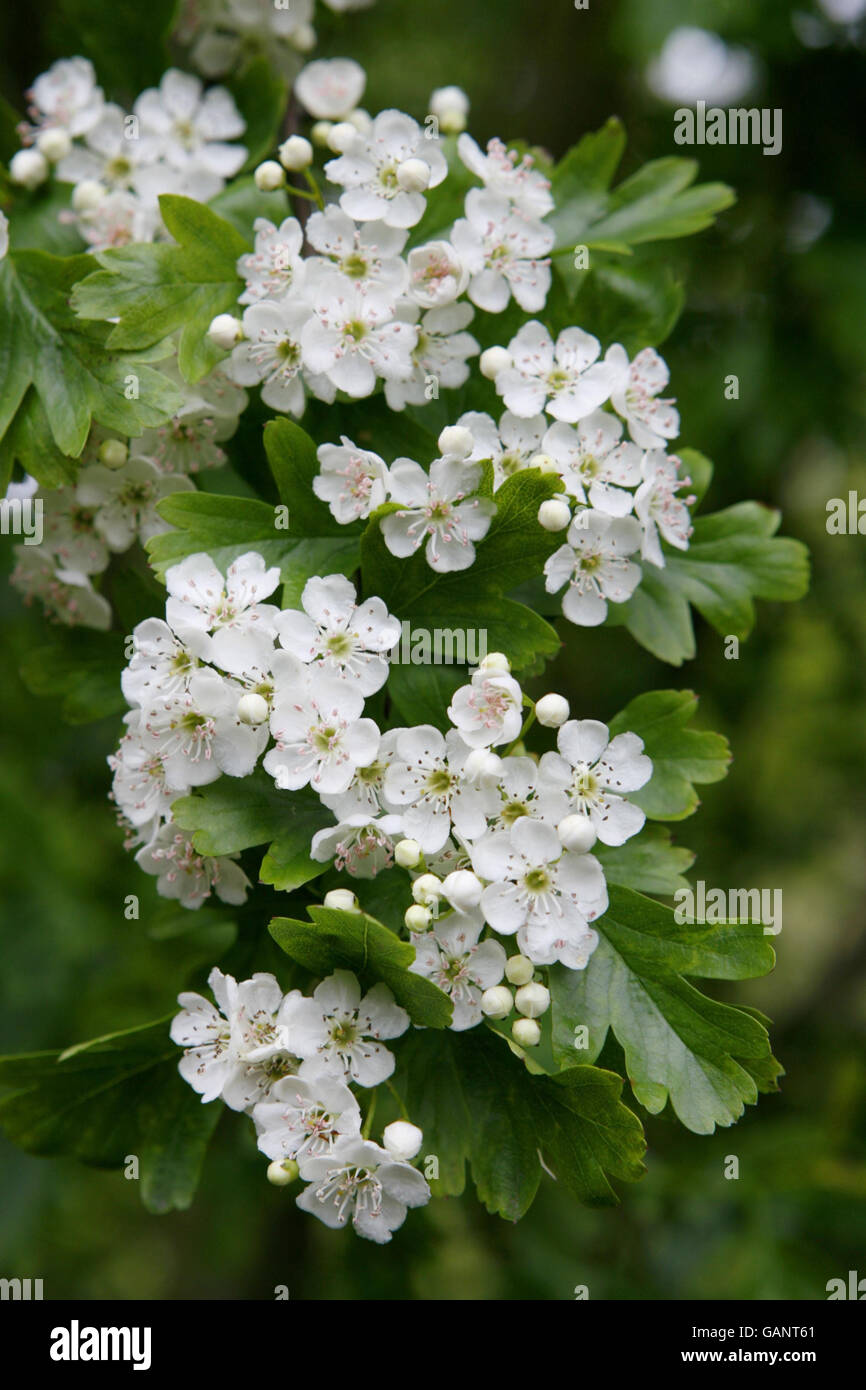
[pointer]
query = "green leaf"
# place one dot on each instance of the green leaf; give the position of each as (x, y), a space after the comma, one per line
(69, 364)
(680, 756)
(83, 669)
(240, 203)
(679, 1045)
(155, 290)
(116, 1096)
(648, 862)
(477, 1104)
(733, 558)
(234, 814)
(636, 305)
(353, 941)
(260, 95)
(129, 51)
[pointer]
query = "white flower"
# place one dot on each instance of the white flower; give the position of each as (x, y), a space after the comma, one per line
(503, 253)
(360, 845)
(342, 637)
(508, 175)
(594, 770)
(368, 255)
(182, 873)
(564, 379)
(223, 620)
(352, 481)
(634, 393)
(271, 354)
(109, 154)
(511, 445)
(117, 220)
(238, 1050)
(362, 1180)
(4, 235)
(199, 735)
(368, 171)
(518, 794)
(67, 95)
(341, 1031)
(594, 566)
(427, 783)
(439, 355)
(125, 500)
(365, 794)
(160, 665)
(658, 508)
(189, 129)
(68, 595)
(544, 893)
(320, 735)
(139, 787)
(488, 710)
(436, 274)
(190, 441)
(275, 266)
(463, 967)
(70, 534)
(304, 1117)
(435, 509)
(402, 1140)
(352, 338)
(330, 88)
(594, 466)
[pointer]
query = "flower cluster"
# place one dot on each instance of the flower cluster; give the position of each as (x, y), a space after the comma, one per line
(178, 138)
(289, 1062)
(221, 32)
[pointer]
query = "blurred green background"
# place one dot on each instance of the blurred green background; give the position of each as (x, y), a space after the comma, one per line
(777, 296)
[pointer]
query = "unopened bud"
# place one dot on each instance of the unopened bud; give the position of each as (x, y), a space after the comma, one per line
(341, 900)
(554, 515)
(495, 664)
(417, 918)
(87, 195)
(483, 765)
(463, 889)
(252, 708)
(402, 1139)
(341, 137)
(113, 453)
(282, 1172)
(519, 970)
(407, 853)
(493, 361)
(413, 175)
(54, 143)
(225, 331)
(526, 1032)
(296, 153)
(533, 1000)
(28, 168)
(551, 711)
(497, 1002)
(269, 176)
(576, 833)
(427, 889)
(544, 463)
(457, 440)
(320, 132)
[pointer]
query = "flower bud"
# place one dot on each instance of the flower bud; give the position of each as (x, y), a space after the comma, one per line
(54, 143)
(304, 38)
(533, 1000)
(457, 440)
(554, 515)
(544, 463)
(495, 664)
(526, 1032)
(87, 195)
(576, 833)
(427, 889)
(407, 853)
(320, 132)
(483, 765)
(497, 1002)
(551, 711)
(341, 900)
(29, 168)
(296, 153)
(269, 176)
(493, 361)
(341, 137)
(402, 1140)
(463, 889)
(450, 106)
(225, 330)
(282, 1171)
(252, 708)
(519, 970)
(413, 175)
(360, 119)
(113, 453)
(417, 918)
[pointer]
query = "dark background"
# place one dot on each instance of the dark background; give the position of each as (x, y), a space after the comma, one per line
(784, 310)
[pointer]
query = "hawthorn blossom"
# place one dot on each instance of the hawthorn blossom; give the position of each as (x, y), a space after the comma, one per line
(236, 1050)
(320, 736)
(330, 89)
(275, 266)
(437, 275)
(368, 255)
(520, 795)
(544, 893)
(595, 467)
(439, 357)
(365, 795)
(67, 96)
(508, 175)
(70, 533)
(595, 566)
(427, 784)
(634, 396)
(270, 354)
(160, 664)
(360, 845)
(503, 252)
(124, 500)
(223, 620)
(190, 441)
(68, 595)
(139, 787)
(488, 711)
(511, 445)
(343, 638)
(594, 771)
(436, 508)
(189, 130)
(351, 339)
(304, 1117)
(367, 171)
(182, 873)
(342, 1031)
(563, 378)
(221, 30)
(361, 1180)
(198, 734)
(658, 508)
(463, 967)
(110, 154)
(352, 481)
